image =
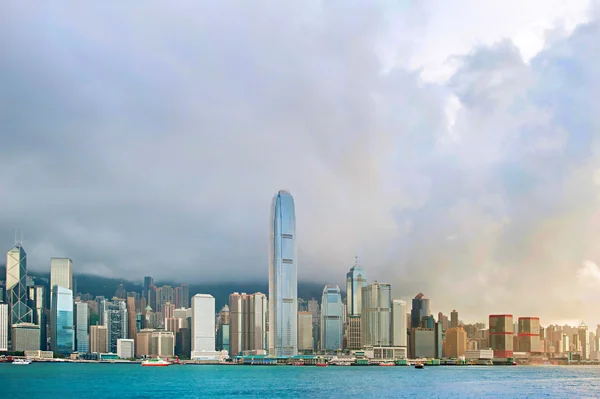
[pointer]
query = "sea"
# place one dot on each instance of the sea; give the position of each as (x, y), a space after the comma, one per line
(77, 380)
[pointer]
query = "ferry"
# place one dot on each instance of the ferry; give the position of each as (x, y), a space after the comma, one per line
(419, 366)
(158, 362)
(21, 361)
(322, 364)
(387, 364)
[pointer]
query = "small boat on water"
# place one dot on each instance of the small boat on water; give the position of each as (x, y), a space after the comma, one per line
(387, 364)
(322, 364)
(419, 366)
(158, 362)
(21, 361)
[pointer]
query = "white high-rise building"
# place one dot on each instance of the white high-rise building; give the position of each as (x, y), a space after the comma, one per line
(82, 338)
(376, 314)
(125, 348)
(399, 328)
(3, 327)
(203, 327)
(61, 273)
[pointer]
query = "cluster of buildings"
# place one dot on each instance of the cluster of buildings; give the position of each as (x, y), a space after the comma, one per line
(50, 318)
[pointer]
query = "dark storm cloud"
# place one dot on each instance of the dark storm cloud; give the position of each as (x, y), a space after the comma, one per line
(149, 140)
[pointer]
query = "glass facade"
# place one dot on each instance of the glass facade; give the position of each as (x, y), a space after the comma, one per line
(420, 309)
(81, 327)
(16, 286)
(115, 319)
(283, 283)
(62, 320)
(356, 279)
(376, 314)
(331, 319)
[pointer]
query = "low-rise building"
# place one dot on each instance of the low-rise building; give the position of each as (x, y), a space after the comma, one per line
(125, 348)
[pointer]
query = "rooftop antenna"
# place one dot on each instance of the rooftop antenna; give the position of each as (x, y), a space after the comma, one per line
(21, 241)
(355, 260)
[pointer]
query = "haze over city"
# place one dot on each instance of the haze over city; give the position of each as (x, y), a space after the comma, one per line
(453, 148)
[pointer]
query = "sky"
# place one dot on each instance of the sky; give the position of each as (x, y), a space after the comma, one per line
(454, 147)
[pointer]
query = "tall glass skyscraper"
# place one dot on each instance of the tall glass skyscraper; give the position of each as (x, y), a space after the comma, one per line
(16, 286)
(331, 318)
(356, 279)
(81, 327)
(420, 309)
(63, 339)
(283, 277)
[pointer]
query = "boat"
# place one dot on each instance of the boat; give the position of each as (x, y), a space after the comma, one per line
(419, 366)
(21, 361)
(158, 362)
(387, 364)
(322, 364)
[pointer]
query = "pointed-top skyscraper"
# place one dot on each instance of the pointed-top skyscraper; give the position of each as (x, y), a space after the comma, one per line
(356, 279)
(283, 279)
(16, 286)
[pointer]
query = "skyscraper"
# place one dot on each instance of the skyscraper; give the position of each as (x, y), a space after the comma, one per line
(98, 339)
(115, 320)
(82, 338)
(62, 338)
(501, 335)
(203, 326)
(454, 319)
(399, 328)
(331, 319)
(356, 279)
(376, 314)
(305, 338)
(420, 309)
(148, 283)
(131, 318)
(61, 273)
(16, 287)
(3, 327)
(283, 283)
(247, 322)
(37, 298)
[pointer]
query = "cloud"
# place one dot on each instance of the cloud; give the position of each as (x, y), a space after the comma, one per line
(150, 141)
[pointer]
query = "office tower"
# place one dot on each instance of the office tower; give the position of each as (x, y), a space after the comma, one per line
(223, 330)
(454, 319)
(283, 283)
(247, 322)
(61, 320)
(74, 289)
(148, 283)
(125, 348)
(143, 342)
(584, 339)
(456, 342)
(100, 300)
(422, 343)
(61, 273)
(331, 319)
(82, 338)
(115, 320)
(183, 342)
(420, 309)
(443, 320)
(302, 306)
(501, 335)
(353, 333)
(16, 290)
(98, 339)
(376, 314)
(166, 293)
(356, 279)
(153, 298)
(168, 310)
(182, 296)
(313, 308)
(148, 318)
(529, 334)
(120, 292)
(25, 337)
(3, 327)
(37, 297)
(131, 318)
(162, 344)
(305, 338)
(2, 291)
(203, 324)
(399, 328)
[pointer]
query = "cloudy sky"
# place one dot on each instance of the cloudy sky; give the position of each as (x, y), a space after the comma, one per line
(454, 146)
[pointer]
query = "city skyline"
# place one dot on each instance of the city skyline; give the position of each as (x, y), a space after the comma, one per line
(455, 159)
